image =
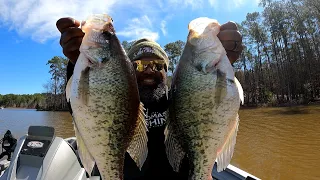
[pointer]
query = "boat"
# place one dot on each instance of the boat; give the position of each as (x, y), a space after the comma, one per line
(1, 107)
(41, 155)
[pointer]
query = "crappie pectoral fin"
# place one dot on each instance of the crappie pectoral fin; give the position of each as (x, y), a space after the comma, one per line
(68, 89)
(138, 147)
(221, 87)
(225, 153)
(80, 80)
(84, 154)
(239, 89)
(84, 86)
(174, 151)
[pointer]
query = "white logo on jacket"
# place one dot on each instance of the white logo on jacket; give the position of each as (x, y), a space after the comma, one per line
(155, 119)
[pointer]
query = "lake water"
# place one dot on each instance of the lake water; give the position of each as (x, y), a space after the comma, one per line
(272, 143)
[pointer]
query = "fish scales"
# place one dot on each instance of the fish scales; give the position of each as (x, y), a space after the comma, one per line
(204, 110)
(113, 94)
(103, 94)
(195, 105)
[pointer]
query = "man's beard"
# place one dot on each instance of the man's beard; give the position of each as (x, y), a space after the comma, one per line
(151, 96)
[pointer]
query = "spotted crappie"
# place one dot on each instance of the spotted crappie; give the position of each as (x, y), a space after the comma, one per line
(203, 115)
(103, 93)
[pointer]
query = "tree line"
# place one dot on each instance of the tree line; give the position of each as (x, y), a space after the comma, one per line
(55, 87)
(53, 97)
(22, 101)
(280, 63)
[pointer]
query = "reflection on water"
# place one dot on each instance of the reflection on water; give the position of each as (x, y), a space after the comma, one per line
(272, 143)
(279, 143)
(19, 120)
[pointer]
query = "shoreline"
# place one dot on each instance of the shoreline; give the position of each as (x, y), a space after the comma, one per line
(59, 110)
(241, 107)
(17, 108)
(288, 105)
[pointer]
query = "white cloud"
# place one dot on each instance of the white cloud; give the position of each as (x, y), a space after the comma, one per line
(37, 18)
(163, 27)
(139, 28)
(230, 4)
(194, 4)
(236, 3)
(212, 2)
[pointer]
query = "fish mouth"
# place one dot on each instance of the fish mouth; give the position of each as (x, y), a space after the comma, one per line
(108, 29)
(99, 35)
(100, 28)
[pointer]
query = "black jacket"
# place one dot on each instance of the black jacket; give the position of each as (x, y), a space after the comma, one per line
(156, 166)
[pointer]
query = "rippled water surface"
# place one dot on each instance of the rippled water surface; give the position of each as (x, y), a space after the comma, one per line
(272, 143)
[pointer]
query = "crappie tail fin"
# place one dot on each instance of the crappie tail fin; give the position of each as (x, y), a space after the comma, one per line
(138, 147)
(225, 153)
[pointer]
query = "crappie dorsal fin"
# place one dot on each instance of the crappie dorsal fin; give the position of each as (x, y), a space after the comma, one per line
(68, 89)
(138, 147)
(174, 151)
(240, 90)
(84, 154)
(225, 153)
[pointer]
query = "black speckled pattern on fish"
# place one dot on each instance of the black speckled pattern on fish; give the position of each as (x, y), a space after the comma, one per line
(106, 109)
(203, 111)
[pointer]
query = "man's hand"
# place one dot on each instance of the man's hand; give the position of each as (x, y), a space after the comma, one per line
(231, 40)
(71, 37)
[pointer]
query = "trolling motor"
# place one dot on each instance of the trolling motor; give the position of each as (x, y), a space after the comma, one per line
(8, 144)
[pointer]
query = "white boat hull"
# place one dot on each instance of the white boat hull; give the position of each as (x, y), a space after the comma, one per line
(30, 161)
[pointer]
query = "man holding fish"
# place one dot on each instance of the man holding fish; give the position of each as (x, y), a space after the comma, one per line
(152, 157)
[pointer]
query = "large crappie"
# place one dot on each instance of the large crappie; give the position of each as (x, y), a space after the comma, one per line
(107, 113)
(203, 115)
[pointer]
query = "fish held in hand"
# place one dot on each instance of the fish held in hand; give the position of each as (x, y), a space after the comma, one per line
(107, 113)
(203, 116)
